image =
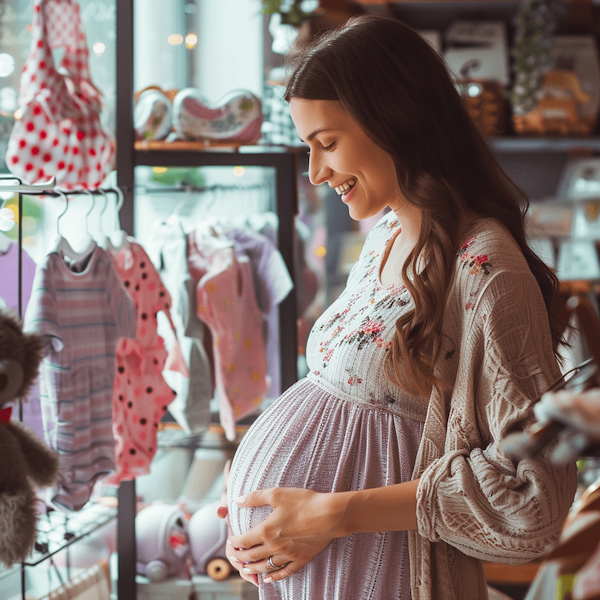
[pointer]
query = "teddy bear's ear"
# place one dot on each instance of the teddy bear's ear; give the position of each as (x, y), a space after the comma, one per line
(24, 348)
(11, 380)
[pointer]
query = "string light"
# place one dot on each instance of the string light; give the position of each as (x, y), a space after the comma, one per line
(99, 48)
(175, 39)
(191, 39)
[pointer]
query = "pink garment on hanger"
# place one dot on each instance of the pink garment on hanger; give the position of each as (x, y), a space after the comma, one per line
(227, 304)
(140, 394)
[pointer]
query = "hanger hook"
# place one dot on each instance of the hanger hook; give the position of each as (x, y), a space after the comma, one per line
(63, 195)
(104, 207)
(90, 211)
(120, 201)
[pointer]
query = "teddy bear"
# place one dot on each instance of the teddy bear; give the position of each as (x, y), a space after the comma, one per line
(26, 460)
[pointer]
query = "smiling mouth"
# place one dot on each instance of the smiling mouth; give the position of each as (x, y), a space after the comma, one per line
(346, 187)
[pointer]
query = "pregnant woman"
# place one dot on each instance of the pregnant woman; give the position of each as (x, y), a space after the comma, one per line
(379, 475)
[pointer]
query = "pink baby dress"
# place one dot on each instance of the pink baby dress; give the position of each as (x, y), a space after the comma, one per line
(227, 304)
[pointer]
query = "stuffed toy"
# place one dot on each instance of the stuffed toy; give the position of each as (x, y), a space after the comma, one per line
(168, 540)
(26, 460)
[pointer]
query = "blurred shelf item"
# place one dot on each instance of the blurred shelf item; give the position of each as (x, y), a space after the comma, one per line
(511, 574)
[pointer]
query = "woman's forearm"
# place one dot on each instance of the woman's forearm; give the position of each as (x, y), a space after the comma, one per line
(391, 508)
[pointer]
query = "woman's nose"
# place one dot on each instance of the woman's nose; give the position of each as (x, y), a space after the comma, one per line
(318, 171)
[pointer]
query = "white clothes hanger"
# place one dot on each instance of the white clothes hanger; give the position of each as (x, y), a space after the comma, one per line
(60, 243)
(118, 238)
(103, 240)
(87, 244)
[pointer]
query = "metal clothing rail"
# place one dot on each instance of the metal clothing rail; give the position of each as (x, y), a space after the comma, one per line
(14, 185)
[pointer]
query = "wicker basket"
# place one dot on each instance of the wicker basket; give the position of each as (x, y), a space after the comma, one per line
(486, 103)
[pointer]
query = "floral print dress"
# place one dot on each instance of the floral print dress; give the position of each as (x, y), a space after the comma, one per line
(343, 427)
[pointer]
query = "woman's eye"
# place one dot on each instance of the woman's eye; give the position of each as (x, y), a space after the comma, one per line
(330, 147)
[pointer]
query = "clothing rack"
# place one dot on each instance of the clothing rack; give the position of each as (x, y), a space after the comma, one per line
(16, 186)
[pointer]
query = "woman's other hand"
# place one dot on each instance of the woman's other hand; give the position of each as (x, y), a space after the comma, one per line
(302, 524)
(222, 513)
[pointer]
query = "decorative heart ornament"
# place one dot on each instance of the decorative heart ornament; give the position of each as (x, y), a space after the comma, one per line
(152, 115)
(236, 118)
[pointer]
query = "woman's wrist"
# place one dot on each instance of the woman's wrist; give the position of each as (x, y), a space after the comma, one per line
(391, 508)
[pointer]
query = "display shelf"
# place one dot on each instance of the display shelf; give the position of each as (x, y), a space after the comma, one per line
(57, 530)
(167, 154)
(535, 144)
(153, 145)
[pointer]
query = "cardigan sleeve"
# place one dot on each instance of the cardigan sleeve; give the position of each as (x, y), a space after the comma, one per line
(473, 496)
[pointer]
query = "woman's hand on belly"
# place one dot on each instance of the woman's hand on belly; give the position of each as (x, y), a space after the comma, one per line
(302, 524)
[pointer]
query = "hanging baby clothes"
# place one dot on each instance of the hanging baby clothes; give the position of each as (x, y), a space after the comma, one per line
(272, 283)
(9, 298)
(83, 309)
(140, 394)
(226, 302)
(191, 406)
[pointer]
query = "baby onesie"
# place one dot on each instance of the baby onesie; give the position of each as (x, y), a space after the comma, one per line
(272, 283)
(140, 393)
(83, 309)
(191, 406)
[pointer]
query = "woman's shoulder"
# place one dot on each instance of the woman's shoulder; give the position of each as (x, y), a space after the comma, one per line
(489, 246)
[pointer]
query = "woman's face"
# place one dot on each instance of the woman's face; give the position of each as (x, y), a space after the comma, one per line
(343, 156)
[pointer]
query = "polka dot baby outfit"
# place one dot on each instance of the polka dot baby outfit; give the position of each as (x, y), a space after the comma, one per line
(227, 304)
(140, 394)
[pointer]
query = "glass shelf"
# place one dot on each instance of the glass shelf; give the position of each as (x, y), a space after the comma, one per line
(57, 530)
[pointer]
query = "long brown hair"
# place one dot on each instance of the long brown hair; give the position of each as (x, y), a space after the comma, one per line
(398, 89)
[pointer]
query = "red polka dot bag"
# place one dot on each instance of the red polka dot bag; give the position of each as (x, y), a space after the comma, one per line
(59, 133)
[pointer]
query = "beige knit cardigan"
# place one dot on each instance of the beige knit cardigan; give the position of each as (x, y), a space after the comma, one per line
(473, 502)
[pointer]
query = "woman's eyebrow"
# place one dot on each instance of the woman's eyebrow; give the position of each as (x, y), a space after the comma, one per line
(310, 137)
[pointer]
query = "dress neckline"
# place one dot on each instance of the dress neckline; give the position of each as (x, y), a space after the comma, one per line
(385, 256)
(472, 229)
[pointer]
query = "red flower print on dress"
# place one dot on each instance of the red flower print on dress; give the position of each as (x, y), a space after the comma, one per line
(372, 326)
(477, 263)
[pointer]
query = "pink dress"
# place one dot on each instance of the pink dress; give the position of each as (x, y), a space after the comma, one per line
(140, 394)
(227, 304)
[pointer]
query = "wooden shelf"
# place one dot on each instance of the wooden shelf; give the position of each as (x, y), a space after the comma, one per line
(148, 146)
(508, 143)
